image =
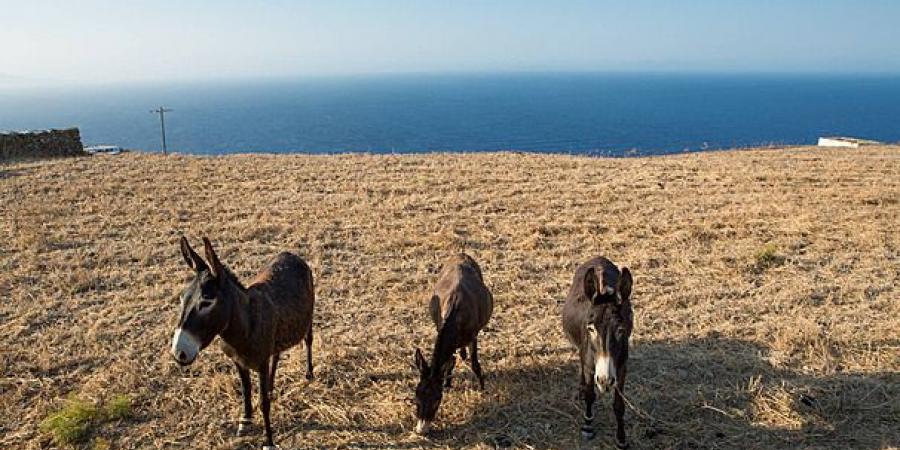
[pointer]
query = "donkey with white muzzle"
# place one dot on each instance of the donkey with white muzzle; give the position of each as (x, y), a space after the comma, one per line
(598, 320)
(256, 323)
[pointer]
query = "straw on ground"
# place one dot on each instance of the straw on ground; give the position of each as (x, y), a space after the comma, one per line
(765, 294)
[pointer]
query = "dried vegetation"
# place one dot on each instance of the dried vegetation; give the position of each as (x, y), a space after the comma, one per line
(766, 299)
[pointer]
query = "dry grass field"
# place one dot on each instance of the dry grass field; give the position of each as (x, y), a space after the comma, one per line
(767, 312)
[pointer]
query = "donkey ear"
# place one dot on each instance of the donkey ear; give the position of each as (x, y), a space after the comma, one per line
(624, 286)
(193, 260)
(421, 364)
(590, 283)
(217, 267)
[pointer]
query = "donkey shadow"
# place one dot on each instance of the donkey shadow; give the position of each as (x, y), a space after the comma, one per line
(701, 393)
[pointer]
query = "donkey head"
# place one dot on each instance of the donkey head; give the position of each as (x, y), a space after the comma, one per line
(429, 391)
(609, 324)
(204, 310)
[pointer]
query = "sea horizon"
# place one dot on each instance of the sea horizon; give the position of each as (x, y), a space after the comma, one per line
(601, 113)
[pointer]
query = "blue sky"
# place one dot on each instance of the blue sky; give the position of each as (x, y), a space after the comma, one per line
(103, 41)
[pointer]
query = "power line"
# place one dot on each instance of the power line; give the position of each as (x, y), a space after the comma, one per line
(162, 125)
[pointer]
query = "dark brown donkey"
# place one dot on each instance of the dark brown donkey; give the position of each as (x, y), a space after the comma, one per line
(460, 308)
(597, 319)
(256, 323)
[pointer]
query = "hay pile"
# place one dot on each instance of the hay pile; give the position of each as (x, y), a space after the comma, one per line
(766, 299)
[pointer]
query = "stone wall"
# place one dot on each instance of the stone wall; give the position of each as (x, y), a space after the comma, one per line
(40, 144)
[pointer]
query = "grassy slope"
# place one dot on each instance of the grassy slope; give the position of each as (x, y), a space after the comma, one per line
(766, 295)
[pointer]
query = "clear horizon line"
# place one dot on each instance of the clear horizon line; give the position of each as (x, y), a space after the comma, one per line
(25, 82)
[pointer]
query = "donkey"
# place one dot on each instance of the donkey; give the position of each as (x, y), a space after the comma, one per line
(598, 320)
(256, 323)
(460, 307)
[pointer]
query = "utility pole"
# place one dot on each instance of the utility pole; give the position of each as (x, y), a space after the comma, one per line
(162, 125)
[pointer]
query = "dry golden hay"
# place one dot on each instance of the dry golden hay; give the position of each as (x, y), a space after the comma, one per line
(765, 294)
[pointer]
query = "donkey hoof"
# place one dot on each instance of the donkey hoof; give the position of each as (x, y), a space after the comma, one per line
(621, 445)
(309, 376)
(244, 427)
(588, 434)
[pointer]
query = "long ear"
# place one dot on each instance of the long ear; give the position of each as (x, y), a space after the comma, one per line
(193, 260)
(590, 284)
(218, 268)
(421, 364)
(624, 287)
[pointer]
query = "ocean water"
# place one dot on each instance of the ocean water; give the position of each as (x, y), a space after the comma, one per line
(614, 114)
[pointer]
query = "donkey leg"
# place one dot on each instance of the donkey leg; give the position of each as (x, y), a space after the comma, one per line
(264, 401)
(619, 411)
(272, 372)
(448, 372)
(247, 419)
(588, 395)
(309, 363)
(476, 366)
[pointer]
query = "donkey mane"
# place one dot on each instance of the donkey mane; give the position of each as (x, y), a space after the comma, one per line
(234, 279)
(229, 276)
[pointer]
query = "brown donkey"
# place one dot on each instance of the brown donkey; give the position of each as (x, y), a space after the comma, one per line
(460, 308)
(597, 319)
(256, 323)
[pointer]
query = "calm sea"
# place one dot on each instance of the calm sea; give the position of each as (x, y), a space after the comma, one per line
(583, 113)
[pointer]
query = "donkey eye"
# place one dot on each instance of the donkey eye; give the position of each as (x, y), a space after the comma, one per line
(208, 292)
(205, 303)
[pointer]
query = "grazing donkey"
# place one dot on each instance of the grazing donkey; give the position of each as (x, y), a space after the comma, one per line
(460, 308)
(256, 323)
(597, 319)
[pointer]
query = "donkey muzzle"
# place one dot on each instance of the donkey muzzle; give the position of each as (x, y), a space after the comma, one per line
(604, 385)
(604, 373)
(185, 347)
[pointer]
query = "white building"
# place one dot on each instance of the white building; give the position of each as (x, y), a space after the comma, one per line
(839, 141)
